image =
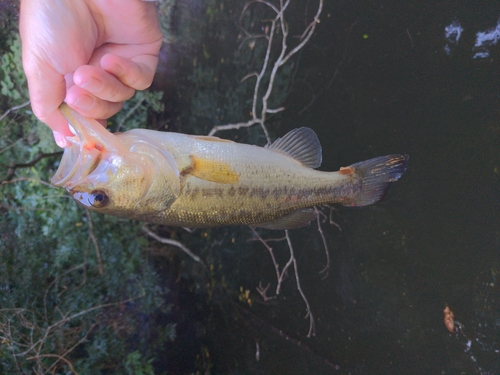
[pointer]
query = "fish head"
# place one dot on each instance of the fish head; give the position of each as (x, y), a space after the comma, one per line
(116, 174)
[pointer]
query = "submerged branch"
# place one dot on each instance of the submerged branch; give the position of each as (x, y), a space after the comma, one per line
(312, 326)
(169, 241)
(270, 249)
(270, 66)
(326, 269)
(239, 125)
(281, 275)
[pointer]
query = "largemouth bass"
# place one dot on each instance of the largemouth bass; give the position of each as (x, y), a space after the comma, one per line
(201, 181)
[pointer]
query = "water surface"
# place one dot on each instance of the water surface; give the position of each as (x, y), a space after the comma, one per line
(378, 77)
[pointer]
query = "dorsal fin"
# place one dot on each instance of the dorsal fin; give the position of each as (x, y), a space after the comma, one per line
(302, 144)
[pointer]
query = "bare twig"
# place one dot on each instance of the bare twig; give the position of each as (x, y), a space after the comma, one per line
(270, 249)
(12, 168)
(326, 269)
(280, 276)
(11, 145)
(15, 108)
(20, 179)
(129, 113)
(35, 343)
(263, 291)
(269, 67)
(254, 74)
(38, 345)
(332, 222)
(239, 125)
(169, 241)
(62, 357)
(283, 274)
(312, 326)
(306, 35)
(275, 110)
(52, 283)
(59, 358)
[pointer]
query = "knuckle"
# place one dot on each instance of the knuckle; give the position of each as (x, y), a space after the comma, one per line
(141, 78)
(120, 94)
(40, 113)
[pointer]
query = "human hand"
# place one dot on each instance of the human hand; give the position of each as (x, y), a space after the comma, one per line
(92, 54)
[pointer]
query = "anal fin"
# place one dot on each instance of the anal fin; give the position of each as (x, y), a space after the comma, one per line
(294, 220)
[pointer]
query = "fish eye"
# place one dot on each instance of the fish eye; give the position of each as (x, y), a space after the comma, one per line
(98, 198)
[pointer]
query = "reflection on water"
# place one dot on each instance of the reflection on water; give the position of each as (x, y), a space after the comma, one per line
(452, 33)
(486, 39)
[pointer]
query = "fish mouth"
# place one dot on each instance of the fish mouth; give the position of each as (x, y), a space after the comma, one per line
(75, 165)
(88, 144)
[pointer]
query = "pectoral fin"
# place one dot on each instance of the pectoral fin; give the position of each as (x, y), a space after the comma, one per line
(296, 219)
(212, 170)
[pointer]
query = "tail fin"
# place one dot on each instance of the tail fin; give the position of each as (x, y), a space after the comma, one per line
(376, 175)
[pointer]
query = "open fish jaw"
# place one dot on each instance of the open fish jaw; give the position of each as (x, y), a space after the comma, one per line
(76, 164)
(90, 144)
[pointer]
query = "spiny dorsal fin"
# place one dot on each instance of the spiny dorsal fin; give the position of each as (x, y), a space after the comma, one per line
(212, 170)
(302, 144)
(293, 220)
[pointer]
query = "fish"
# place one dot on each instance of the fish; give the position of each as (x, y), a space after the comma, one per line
(197, 181)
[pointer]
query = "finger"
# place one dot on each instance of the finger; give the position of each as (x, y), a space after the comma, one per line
(89, 105)
(45, 62)
(45, 101)
(137, 72)
(61, 140)
(102, 84)
(46, 89)
(46, 108)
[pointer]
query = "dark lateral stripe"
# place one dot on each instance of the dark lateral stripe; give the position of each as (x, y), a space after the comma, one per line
(326, 194)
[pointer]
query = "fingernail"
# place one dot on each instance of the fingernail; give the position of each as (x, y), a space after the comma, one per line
(92, 85)
(84, 102)
(60, 139)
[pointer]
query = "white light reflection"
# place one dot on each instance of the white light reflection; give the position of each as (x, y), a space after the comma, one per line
(452, 33)
(485, 39)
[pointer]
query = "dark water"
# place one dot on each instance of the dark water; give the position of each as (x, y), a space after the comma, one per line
(377, 78)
